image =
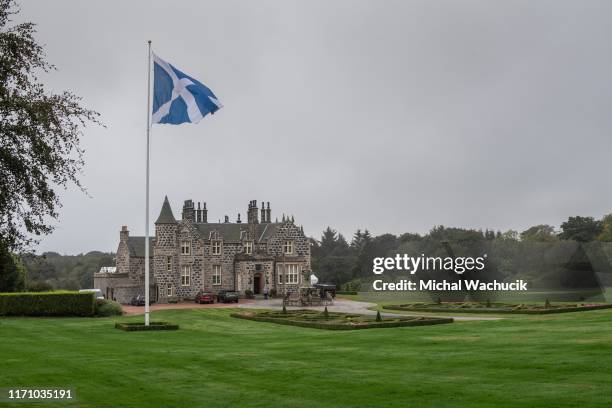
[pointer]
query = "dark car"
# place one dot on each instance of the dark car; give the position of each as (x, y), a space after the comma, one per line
(204, 297)
(227, 296)
(324, 289)
(140, 301)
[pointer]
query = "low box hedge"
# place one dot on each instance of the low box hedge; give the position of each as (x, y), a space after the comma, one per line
(140, 326)
(61, 303)
(509, 310)
(420, 321)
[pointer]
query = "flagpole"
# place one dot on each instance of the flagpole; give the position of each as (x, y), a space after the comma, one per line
(147, 189)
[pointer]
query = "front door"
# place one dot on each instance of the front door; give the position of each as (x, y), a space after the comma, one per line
(257, 284)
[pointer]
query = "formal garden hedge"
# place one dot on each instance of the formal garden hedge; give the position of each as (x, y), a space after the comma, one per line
(337, 321)
(61, 303)
(501, 308)
(140, 326)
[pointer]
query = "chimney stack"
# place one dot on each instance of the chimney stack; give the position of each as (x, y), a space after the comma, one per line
(238, 220)
(189, 211)
(226, 219)
(268, 213)
(252, 217)
(263, 212)
(124, 234)
(204, 213)
(199, 213)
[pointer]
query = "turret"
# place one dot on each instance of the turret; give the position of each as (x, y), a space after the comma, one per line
(165, 226)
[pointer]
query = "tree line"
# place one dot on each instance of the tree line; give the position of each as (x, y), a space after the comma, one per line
(348, 264)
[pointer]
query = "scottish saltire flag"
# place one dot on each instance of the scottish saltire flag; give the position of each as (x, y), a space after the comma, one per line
(178, 98)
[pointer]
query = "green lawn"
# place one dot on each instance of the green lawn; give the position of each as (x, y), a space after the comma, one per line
(218, 361)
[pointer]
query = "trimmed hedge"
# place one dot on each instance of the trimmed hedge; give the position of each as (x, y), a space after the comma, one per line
(424, 321)
(346, 292)
(497, 310)
(62, 303)
(140, 326)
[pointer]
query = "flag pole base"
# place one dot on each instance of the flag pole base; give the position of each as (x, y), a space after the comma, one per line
(146, 318)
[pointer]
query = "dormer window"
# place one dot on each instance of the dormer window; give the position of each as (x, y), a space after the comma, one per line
(216, 247)
(186, 248)
(248, 247)
(288, 247)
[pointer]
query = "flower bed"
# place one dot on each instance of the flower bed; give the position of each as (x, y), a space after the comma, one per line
(337, 321)
(488, 307)
(140, 326)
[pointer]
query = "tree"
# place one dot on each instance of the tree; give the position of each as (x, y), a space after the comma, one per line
(581, 229)
(606, 229)
(540, 233)
(39, 136)
(12, 278)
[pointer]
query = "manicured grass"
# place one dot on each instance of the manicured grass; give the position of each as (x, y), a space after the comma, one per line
(336, 321)
(215, 360)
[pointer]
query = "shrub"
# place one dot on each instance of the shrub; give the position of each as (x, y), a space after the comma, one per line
(273, 292)
(249, 294)
(378, 316)
(284, 309)
(105, 307)
(326, 313)
(62, 303)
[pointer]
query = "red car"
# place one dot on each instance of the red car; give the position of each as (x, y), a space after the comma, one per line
(204, 297)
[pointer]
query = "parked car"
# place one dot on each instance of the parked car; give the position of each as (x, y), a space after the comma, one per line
(227, 296)
(97, 292)
(204, 297)
(140, 301)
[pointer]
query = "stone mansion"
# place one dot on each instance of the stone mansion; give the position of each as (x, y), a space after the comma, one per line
(192, 254)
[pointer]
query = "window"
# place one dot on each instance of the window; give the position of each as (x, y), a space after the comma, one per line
(288, 273)
(292, 274)
(186, 275)
(168, 263)
(216, 247)
(288, 247)
(185, 248)
(170, 291)
(248, 247)
(216, 277)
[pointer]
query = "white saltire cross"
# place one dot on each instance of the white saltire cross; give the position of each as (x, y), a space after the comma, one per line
(179, 89)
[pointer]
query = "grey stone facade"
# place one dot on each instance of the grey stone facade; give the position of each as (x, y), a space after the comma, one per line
(192, 254)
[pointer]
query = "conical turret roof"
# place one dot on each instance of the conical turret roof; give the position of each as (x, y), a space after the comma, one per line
(165, 215)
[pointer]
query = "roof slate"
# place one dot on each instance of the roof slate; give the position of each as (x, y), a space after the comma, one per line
(165, 215)
(136, 245)
(231, 231)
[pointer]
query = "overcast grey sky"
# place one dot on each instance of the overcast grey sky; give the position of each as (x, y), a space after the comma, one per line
(388, 115)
